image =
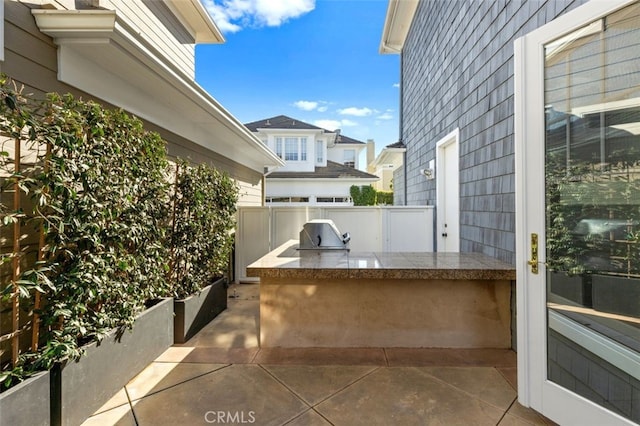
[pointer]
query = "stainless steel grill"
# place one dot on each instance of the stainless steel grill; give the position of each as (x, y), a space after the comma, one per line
(322, 234)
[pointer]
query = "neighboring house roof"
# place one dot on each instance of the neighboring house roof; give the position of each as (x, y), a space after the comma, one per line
(347, 140)
(288, 123)
(333, 170)
(389, 155)
(282, 122)
(398, 144)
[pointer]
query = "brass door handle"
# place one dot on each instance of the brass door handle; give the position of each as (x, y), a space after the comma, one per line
(534, 254)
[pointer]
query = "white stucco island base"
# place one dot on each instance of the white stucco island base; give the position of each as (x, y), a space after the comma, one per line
(346, 299)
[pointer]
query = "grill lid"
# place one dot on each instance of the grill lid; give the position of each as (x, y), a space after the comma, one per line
(322, 234)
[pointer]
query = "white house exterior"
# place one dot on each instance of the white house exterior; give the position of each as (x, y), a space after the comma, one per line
(388, 161)
(320, 166)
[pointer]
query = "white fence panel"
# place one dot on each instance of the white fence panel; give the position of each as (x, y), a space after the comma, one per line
(252, 238)
(408, 229)
(362, 223)
(388, 228)
(287, 222)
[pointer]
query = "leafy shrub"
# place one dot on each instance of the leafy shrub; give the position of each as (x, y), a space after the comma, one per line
(368, 196)
(384, 198)
(201, 241)
(117, 234)
(104, 205)
(363, 195)
(101, 199)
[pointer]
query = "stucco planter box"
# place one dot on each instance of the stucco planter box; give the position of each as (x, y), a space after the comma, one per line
(27, 403)
(194, 312)
(576, 288)
(616, 295)
(79, 388)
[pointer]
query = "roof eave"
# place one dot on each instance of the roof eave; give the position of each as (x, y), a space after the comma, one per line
(397, 22)
(356, 144)
(386, 156)
(101, 55)
(193, 15)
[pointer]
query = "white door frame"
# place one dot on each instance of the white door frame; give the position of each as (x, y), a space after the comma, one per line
(534, 390)
(450, 141)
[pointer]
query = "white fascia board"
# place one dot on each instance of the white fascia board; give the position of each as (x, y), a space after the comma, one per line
(276, 131)
(99, 54)
(193, 15)
(387, 156)
(397, 22)
(67, 25)
(350, 145)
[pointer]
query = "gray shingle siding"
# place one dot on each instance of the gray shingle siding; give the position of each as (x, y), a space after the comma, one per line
(457, 72)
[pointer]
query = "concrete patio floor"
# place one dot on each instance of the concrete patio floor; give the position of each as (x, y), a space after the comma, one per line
(221, 376)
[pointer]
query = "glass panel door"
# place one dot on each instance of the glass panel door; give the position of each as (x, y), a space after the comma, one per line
(592, 215)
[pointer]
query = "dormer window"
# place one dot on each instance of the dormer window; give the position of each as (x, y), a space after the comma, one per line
(291, 148)
(350, 158)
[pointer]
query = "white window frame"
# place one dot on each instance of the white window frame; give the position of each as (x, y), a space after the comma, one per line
(345, 160)
(319, 151)
(302, 148)
(288, 199)
(341, 199)
(291, 148)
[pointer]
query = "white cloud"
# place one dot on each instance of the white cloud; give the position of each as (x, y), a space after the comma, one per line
(396, 84)
(221, 16)
(275, 12)
(385, 116)
(320, 106)
(328, 124)
(334, 124)
(357, 112)
(306, 105)
(233, 15)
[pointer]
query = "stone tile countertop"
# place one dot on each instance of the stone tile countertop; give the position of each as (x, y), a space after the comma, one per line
(288, 262)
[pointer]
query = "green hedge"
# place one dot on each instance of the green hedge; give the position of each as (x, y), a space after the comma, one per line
(102, 201)
(368, 196)
(105, 204)
(202, 240)
(384, 198)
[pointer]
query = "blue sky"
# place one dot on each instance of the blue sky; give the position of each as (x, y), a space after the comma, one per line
(314, 60)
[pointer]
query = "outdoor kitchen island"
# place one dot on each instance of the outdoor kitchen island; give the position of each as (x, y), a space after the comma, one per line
(341, 298)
